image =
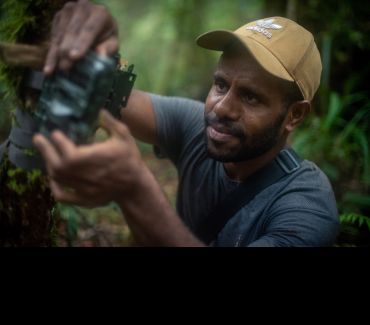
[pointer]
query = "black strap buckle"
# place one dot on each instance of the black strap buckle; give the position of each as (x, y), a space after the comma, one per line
(288, 161)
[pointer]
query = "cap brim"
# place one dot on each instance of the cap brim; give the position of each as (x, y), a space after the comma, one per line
(217, 40)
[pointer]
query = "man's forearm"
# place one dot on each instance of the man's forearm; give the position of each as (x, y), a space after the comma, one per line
(151, 218)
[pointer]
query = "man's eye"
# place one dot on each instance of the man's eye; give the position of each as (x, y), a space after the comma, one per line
(251, 99)
(220, 86)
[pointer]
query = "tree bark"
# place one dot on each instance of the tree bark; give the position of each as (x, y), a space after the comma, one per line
(26, 207)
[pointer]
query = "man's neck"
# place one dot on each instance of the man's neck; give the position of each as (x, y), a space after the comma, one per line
(240, 171)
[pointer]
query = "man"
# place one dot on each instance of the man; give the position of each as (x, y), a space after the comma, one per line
(267, 75)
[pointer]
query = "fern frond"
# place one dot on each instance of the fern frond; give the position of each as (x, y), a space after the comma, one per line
(355, 219)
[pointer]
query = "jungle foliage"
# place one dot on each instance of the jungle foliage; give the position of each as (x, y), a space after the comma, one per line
(158, 37)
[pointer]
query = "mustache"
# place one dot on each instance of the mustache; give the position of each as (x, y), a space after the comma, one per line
(224, 125)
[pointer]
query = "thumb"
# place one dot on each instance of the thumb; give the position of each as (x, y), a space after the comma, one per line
(113, 126)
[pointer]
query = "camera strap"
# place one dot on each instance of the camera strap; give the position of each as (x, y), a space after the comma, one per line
(19, 145)
(24, 160)
(23, 130)
(285, 163)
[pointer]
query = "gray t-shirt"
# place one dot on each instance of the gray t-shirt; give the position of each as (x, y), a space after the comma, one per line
(298, 210)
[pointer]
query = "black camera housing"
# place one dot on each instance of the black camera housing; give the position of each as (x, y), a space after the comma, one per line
(70, 101)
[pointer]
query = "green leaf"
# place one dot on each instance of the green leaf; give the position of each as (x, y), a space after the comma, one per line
(335, 107)
(361, 138)
(354, 123)
(354, 219)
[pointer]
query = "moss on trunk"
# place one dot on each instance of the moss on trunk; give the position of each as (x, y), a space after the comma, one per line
(26, 207)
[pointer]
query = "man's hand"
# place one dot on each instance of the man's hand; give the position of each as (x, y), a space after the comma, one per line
(95, 174)
(76, 28)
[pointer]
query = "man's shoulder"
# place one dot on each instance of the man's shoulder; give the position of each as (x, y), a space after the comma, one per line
(178, 114)
(308, 177)
(311, 175)
(178, 121)
(297, 210)
(306, 189)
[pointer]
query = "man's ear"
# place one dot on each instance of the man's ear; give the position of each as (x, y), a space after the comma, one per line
(297, 113)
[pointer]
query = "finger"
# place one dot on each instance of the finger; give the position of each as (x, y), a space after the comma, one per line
(64, 196)
(52, 56)
(51, 60)
(68, 47)
(65, 146)
(71, 196)
(74, 179)
(108, 47)
(81, 12)
(47, 150)
(59, 25)
(74, 158)
(99, 27)
(112, 125)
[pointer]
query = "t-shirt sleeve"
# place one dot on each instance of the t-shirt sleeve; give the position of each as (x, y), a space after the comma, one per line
(298, 211)
(177, 121)
(299, 228)
(307, 218)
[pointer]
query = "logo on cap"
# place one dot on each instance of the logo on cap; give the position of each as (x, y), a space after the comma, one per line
(263, 26)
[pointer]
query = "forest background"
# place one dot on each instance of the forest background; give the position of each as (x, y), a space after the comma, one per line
(157, 36)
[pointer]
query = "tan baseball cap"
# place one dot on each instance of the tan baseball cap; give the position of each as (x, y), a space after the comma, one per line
(280, 45)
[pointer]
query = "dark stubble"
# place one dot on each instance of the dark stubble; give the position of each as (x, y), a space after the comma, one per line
(250, 146)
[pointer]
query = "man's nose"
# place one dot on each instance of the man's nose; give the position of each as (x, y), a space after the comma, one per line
(228, 107)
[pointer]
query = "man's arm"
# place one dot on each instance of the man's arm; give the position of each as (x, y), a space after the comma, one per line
(151, 218)
(113, 170)
(138, 115)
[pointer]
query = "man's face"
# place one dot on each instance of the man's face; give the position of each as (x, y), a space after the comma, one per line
(244, 112)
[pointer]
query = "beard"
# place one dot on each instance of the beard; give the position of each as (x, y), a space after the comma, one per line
(249, 146)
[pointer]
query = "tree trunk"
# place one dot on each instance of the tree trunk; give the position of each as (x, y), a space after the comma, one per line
(26, 204)
(25, 207)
